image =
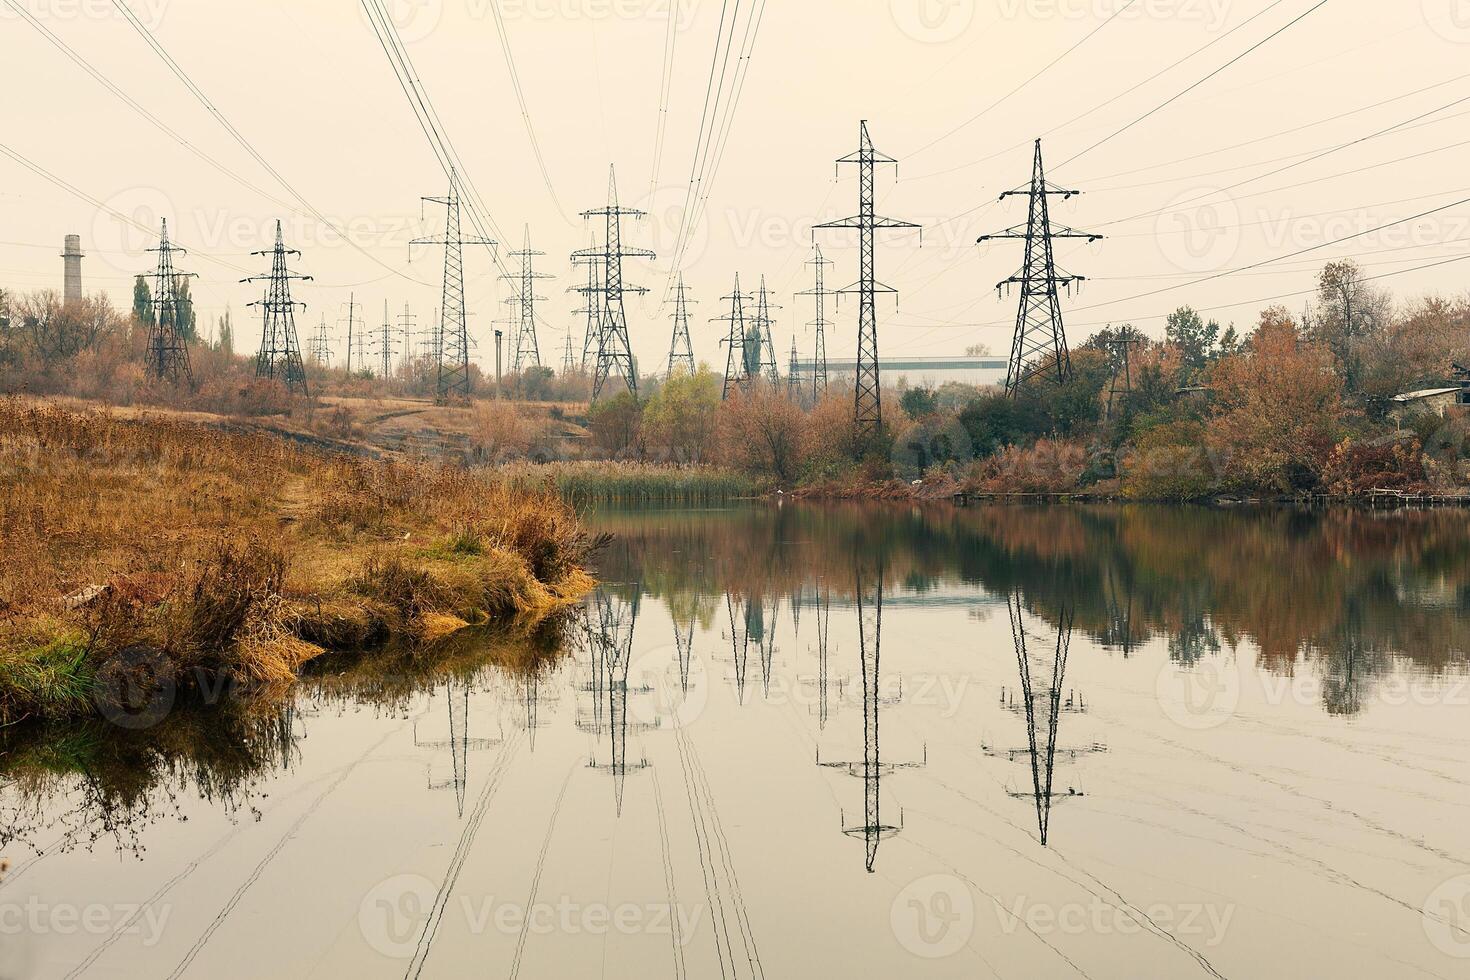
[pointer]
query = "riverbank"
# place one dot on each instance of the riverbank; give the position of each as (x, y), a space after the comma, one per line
(150, 551)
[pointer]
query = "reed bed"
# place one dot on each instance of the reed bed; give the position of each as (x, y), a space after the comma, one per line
(139, 552)
(588, 483)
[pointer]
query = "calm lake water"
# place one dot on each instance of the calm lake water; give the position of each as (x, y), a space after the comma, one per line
(803, 741)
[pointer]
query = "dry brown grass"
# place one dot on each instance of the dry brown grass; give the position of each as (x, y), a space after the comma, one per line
(244, 555)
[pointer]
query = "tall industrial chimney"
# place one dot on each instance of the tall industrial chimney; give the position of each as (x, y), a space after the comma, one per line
(72, 289)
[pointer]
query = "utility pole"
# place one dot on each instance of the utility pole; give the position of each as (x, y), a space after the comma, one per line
(737, 368)
(453, 361)
(819, 359)
(354, 335)
(499, 346)
(591, 300)
(1040, 344)
(526, 351)
(868, 401)
(681, 352)
(168, 351)
(280, 352)
(614, 351)
(764, 324)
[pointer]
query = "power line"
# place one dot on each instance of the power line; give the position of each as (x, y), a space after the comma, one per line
(1179, 95)
(203, 100)
(1042, 71)
(515, 81)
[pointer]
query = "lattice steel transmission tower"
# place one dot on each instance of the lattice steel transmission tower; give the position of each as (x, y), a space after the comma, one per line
(453, 342)
(280, 351)
(168, 351)
(526, 350)
(1121, 385)
(737, 364)
(764, 324)
(681, 350)
(868, 401)
(614, 351)
(568, 357)
(321, 345)
(1040, 344)
(793, 383)
(385, 344)
(407, 328)
(819, 356)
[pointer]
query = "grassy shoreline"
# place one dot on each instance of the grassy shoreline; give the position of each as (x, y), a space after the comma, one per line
(148, 552)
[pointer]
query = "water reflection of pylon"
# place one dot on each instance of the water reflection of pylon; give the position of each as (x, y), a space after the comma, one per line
(1119, 633)
(459, 743)
(872, 829)
(684, 647)
(613, 633)
(1042, 750)
(739, 640)
(765, 636)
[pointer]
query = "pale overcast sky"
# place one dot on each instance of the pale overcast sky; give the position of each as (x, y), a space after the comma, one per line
(1255, 162)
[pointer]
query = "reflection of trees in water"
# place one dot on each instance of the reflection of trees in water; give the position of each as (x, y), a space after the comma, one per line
(1198, 577)
(76, 784)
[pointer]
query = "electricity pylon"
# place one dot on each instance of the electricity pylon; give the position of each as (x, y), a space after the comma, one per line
(280, 351)
(453, 341)
(407, 323)
(1121, 385)
(868, 401)
(1040, 344)
(737, 367)
(385, 344)
(819, 358)
(614, 350)
(681, 351)
(793, 385)
(168, 351)
(321, 345)
(526, 350)
(568, 357)
(764, 324)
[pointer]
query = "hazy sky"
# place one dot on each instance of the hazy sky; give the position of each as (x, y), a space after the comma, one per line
(955, 89)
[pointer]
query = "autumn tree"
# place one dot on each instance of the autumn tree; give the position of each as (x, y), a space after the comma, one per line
(616, 424)
(680, 418)
(1277, 409)
(761, 432)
